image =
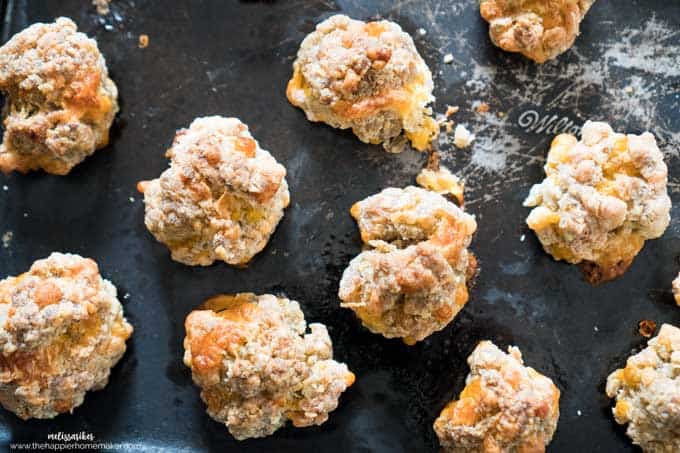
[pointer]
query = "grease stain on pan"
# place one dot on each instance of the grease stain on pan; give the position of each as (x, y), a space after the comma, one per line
(495, 295)
(515, 268)
(528, 310)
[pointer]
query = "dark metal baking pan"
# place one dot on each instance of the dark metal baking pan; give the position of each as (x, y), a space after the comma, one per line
(208, 57)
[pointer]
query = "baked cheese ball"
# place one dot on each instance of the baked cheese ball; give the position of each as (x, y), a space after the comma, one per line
(256, 366)
(59, 99)
(411, 280)
(676, 289)
(505, 406)
(62, 329)
(367, 76)
(647, 393)
(602, 198)
(221, 198)
(538, 29)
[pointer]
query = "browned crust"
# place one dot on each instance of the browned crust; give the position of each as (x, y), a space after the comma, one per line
(646, 328)
(472, 269)
(69, 88)
(433, 160)
(596, 274)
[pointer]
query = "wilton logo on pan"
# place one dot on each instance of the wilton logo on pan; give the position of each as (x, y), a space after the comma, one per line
(532, 121)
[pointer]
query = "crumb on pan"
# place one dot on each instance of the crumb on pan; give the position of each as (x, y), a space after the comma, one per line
(647, 393)
(60, 101)
(258, 367)
(411, 280)
(482, 107)
(451, 110)
(221, 198)
(602, 198)
(646, 327)
(102, 6)
(367, 76)
(504, 407)
(7, 239)
(538, 29)
(462, 137)
(441, 181)
(143, 41)
(62, 329)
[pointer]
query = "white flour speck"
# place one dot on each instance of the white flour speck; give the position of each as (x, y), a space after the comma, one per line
(652, 53)
(448, 58)
(5, 188)
(7, 239)
(132, 199)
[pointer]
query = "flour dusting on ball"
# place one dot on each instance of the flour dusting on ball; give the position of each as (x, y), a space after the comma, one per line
(62, 329)
(647, 393)
(59, 99)
(538, 29)
(602, 198)
(258, 368)
(221, 198)
(411, 280)
(368, 77)
(504, 407)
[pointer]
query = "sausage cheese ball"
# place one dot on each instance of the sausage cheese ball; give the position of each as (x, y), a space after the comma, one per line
(221, 198)
(60, 101)
(412, 279)
(367, 76)
(647, 393)
(602, 198)
(256, 366)
(538, 29)
(676, 289)
(61, 330)
(504, 407)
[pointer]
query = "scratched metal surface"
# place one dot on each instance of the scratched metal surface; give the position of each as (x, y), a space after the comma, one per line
(234, 58)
